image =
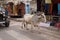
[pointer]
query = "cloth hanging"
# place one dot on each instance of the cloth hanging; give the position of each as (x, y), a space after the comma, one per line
(9, 9)
(15, 9)
(58, 1)
(42, 5)
(50, 9)
(46, 6)
(39, 5)
(58, 12)
(27, 8)
(58, 6)
(46, 9)
(54, 1)
(55, 9)
(48, 1)
(21, 7)
(11, 6)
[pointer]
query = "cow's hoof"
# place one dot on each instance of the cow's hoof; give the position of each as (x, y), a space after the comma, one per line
(27, 29)
(32, 31)
(21, 27)
(39, 32)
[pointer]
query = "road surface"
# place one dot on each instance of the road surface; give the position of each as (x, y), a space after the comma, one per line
(14, 32)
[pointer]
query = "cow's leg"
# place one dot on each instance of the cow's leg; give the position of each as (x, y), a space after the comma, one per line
(32, 26)
(26, 27)
(38, 29)
(23, 23)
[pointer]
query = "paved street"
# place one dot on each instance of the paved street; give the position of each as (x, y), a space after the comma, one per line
(14, 32)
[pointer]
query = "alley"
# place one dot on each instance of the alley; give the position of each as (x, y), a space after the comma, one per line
(14, 32)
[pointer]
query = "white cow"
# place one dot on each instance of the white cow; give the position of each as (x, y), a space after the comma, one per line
(33, 19)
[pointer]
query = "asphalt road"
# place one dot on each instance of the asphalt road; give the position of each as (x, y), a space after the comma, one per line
(14, 32)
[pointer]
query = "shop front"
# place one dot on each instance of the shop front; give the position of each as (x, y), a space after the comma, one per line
(18, 8)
